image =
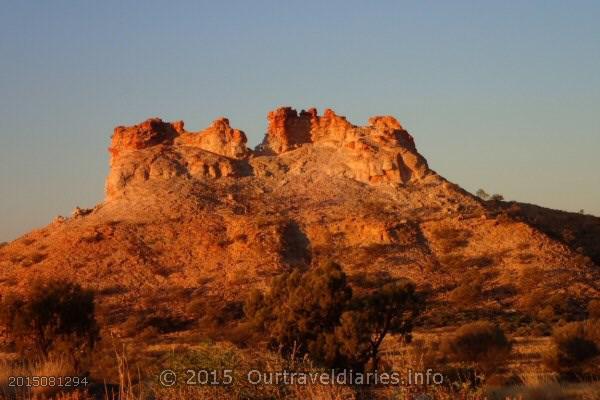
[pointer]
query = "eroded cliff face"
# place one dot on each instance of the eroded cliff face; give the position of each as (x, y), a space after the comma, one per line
(156, 149)
(381, 153)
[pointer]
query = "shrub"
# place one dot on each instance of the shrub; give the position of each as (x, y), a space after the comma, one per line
(593, 309)
(576, 346)
(460, 262)
(469, 290)
(391, 309)
(546, 314)
(314, 313)
(300, 307)
(467, 293)
(451, 238)
(481, 343)
(482, 194)
(530, 277)
(56, 317)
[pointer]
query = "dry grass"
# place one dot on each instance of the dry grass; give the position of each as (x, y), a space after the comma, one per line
(135, 382)
(127, 390)
(549, 391)
(53, 366)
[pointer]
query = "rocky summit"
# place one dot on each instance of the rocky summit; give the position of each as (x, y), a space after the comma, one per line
(380, 153)
(191, 215)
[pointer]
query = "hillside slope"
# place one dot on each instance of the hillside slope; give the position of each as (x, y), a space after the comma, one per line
(198, 218)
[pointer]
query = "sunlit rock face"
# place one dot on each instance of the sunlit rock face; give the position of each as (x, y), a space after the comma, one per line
(382, 152)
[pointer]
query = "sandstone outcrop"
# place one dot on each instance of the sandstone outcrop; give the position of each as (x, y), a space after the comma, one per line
(382, 152)
(149, 133)
(219, 138)
(156, 149)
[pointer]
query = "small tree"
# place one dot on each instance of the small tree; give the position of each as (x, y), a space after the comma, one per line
(57, 316)
(391, 309)
(482, 194)
(497, 197)
(314, 313)
(300, 307)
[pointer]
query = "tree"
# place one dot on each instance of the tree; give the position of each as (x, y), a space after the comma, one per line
(497, 197)
(391, 309)
(300, 307)
(482, 194)
(314, 313)
(55, 316)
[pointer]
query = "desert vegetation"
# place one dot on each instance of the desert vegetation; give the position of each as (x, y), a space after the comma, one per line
(315, 313)
(306, 320)
(56, 318)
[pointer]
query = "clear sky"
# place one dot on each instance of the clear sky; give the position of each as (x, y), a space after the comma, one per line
(502, 95)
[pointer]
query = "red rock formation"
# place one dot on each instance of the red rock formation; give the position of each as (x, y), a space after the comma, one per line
(380, 153)
(287, 130)
(160, 150)
(330, 127)
(390, 130)
(218, 138)
(149, 133)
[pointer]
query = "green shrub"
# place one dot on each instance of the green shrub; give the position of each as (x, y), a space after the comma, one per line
(391, 309)
(469, 291)
(300, 307)
(460, 262)
(314, 313)
(482, 194)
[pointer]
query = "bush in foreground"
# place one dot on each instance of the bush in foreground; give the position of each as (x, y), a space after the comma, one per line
(576, 347)
(314, 313)
(481, 343)
(55, 317)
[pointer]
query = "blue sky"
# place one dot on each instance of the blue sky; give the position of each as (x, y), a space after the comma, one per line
(502, 95)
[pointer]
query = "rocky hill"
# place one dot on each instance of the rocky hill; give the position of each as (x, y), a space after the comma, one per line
(193, 220)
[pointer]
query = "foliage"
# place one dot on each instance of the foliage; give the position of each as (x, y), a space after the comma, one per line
(300, 307)
(497, 197)
(481, 343)
(482, 194)
(391, 309)
(314, 313)
(577, 344)
(56, 316)
(451, 239)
